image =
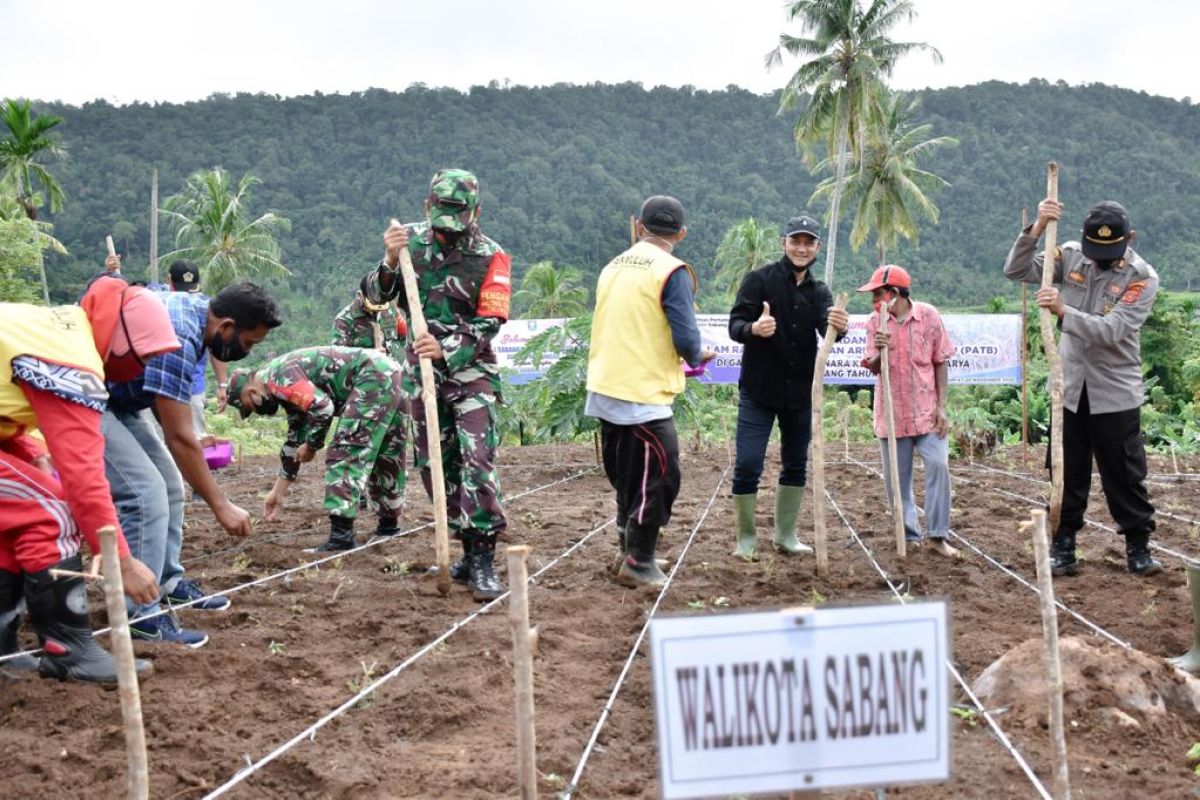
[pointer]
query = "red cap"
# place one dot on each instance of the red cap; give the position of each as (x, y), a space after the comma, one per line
(887, 275)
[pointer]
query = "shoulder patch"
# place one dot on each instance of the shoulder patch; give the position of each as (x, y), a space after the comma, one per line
(495, 293)
(1133, 291)
(300, 394)
(1075, 276)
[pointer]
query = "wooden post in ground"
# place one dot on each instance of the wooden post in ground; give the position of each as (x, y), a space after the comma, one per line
(1024, 362)
(127, 682)
(893, 476)
(844, 419)
(523, 639)
(1054, 681)
(818, 444)
(441, 534)
(1050, 259)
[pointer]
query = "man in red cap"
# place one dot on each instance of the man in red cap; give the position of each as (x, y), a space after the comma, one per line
(918, 348)
(52, 367)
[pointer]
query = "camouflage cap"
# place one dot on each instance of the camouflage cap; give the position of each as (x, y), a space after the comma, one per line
(453, 198)
(233, 392)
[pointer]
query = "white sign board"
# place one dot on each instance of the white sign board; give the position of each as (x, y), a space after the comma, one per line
(802, 699)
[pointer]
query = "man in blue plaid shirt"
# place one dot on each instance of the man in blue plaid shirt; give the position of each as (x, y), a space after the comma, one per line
(147, 473)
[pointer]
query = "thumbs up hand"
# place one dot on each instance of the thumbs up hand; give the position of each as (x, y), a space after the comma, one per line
(764, 326)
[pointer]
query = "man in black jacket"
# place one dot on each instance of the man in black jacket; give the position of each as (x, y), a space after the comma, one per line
(779, 312)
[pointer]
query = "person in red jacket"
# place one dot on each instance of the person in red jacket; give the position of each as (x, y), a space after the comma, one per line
(52, 367)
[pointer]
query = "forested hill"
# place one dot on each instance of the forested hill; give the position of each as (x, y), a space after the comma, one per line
(562, 168)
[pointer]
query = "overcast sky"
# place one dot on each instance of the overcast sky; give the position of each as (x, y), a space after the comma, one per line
(165, 50)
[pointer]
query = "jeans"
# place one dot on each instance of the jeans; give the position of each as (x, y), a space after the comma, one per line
(935, 455)
(148, 493)
(754, 424)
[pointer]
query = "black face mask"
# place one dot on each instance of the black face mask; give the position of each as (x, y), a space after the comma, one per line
(268, 406)
(1107, 263)
(231, 350)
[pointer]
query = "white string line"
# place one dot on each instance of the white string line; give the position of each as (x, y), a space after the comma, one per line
(311, 731)
(1031, 479)
(305, 566)
(1020, 579)
(1004, 740)
(612, 697)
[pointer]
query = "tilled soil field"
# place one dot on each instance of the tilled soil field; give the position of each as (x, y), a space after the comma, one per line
(294, 648)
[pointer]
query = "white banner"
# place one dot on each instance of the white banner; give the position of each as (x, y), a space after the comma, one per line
(801, 699)
(988, 349)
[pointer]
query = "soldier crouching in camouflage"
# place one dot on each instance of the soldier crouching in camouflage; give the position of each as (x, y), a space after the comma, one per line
(463, 280)
(313, 385)
(375, 326)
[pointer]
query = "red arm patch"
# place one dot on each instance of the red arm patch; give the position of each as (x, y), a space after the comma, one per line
(1132, 292)
(300, 394)
(496, 291)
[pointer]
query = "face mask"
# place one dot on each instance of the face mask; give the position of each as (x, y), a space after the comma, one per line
(231, 350)
(267, 405)
(1106, 264)
(883, 302)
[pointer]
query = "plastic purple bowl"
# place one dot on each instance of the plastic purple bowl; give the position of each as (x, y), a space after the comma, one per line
(219, 455)
(695, 372)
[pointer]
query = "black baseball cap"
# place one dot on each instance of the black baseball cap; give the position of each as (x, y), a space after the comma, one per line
(1105, 231)
(802, 224)
(185, 276)
(662, 214)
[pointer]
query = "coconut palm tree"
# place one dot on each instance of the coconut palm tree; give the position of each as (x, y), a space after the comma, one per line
(213, 229)
(889, 191)
(747, 245)
(27, 141)
(549, 291)
(851, 55)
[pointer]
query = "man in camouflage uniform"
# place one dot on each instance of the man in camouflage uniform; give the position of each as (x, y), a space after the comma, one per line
(313, 385)
(463, 278)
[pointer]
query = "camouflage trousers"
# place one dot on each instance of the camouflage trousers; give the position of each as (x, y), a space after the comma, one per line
(469, 440)
(367, 451)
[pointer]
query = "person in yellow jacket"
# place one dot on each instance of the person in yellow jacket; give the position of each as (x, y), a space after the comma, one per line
(53, 362)
(642, 325)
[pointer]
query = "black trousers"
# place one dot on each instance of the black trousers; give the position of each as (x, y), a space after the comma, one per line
(1115, 441)
(642, 464)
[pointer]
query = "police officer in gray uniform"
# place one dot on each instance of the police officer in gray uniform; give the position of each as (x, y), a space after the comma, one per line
(1104, 293)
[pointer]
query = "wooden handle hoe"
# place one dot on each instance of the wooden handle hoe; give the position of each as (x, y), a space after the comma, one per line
(127, 681)
(441, 535)
(893, 468)
(112, 250)
(1052, 358)
(818, 444)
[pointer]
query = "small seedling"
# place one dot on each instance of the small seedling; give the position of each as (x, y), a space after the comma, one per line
(967, 715)
(276, 648)
(554, 780)
(359, 683)
(241, 562)
(1151, 609)
(721, 602)
(1193, 757)
(696, 605)
(815, 598)
(395, 566)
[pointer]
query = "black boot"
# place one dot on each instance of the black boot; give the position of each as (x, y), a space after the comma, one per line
(11, 589)
(341, 536)
(58, 610)
(1137, 555)
(482, 582)
(640, 568)
(460, 570)
(387, 526)
(622, 548)
(1062, 555)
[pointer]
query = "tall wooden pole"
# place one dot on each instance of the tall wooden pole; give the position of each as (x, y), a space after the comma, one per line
(1054, 682)
(1049, 263)
(441, 534)
(154, 225)
(523, 638)
(894, 468)
(127, 682)
(818, 443)
(1024, 361)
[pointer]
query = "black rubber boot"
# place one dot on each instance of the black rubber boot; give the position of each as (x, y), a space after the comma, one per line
(460, 570)
(341, 535)
(482, 582)
(58, 610)
(640, 568)
(387, 526)
(12, 586)
(1062, 555)
(1137, 555)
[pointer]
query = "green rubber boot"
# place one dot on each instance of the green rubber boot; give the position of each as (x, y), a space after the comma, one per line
(787, 510)
(747, 540)
(1190, 661)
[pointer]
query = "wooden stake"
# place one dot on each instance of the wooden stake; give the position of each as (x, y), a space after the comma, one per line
(1050, 260)
(441, 534)
(632, 231)
(818, 443)
(523, 644)
(1054, 683)
(894, 468)
(844, 419)
(1024, 362)
(112, 251)
(127, 682)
